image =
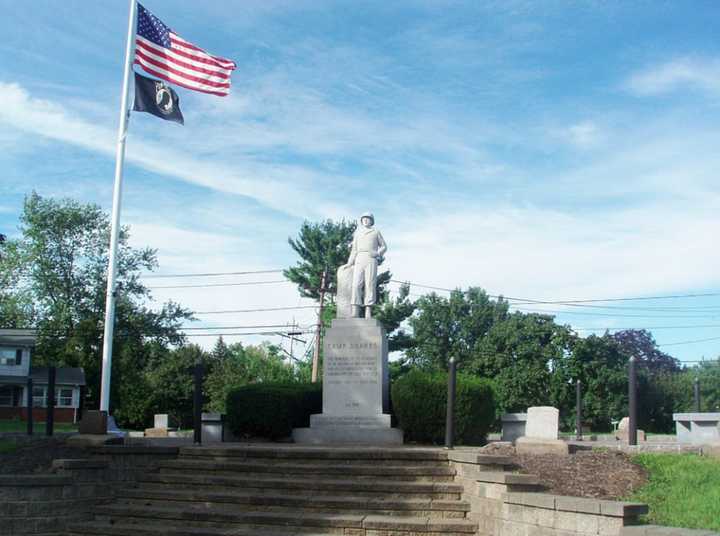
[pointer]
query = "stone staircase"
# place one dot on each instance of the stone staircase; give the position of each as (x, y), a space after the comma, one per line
(286, 490)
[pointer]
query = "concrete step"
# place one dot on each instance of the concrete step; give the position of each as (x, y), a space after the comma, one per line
(303, 503)
(201, 515)
(293, 452)
(104, 528)
(317, 486)
(426, 472)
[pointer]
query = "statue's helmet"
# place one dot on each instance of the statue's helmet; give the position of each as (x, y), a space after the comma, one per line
(368, 215)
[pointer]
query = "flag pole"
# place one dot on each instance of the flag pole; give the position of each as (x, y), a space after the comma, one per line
(117, 195)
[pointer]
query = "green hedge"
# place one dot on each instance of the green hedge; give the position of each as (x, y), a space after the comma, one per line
(272, 410)
(420, 402)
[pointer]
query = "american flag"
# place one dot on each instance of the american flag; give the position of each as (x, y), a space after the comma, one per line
(162, 53)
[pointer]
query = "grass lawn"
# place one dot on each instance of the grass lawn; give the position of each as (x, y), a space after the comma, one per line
(683, 490)
(6, 447)
(16, 425)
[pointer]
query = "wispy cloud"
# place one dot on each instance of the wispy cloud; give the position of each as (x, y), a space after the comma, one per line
(680, 73)
(52, 120)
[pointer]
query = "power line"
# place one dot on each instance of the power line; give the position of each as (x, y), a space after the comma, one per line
(242, 284)
(275, 333)
(257, 326)
(258, 310)
(210, 274)
(690, 342)
(613, 315)
(651, 327)
(562, 302)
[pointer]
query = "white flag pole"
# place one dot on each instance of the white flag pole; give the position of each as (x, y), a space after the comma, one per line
(117, 195)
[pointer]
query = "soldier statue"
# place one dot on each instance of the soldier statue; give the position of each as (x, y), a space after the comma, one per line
(368, 248)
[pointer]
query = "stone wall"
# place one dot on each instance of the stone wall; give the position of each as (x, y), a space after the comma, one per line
(511, 504)
(42, 504)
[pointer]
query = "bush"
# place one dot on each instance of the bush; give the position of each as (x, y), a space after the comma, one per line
(272, 410)
(420, 402)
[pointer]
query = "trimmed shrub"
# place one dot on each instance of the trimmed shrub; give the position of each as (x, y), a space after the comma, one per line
(272, 410)
(420, 402)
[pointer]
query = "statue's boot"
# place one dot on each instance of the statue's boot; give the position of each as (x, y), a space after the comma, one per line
(356, 311)
(368, 312)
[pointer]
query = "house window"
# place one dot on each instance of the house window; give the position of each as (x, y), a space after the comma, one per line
(64, 398)
(6, 395)
(18, 356)
(9, 356)
(39, 397)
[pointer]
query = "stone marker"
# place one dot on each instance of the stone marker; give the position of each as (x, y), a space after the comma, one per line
(93, 422)
(623, 432)
(212, 427)
(697, 428)
(513, 426)
(542, 422)
(541, 433)
(355, 353)
(161, 421)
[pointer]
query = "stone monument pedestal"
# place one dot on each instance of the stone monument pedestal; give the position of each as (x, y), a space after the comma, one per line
(355, 387)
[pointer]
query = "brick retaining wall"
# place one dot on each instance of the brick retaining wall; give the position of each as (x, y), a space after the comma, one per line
(42, 505)
(511, 504)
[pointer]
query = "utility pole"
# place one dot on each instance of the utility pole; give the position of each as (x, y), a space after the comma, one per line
(316, 353)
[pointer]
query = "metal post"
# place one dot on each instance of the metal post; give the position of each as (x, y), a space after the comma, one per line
(197, 404)
(450, 416)
(696, 394)
(632, 402)
(316, 352)
(578, 411)
(81, 403)
(115, 229)
(29, 406)
(50, 406)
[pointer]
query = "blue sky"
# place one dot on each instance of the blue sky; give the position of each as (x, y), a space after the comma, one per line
(544, 150)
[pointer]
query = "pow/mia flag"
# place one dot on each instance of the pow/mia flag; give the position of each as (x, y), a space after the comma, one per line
(157, 98)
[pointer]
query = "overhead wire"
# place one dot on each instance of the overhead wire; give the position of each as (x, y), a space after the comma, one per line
(207, 285)
(210, 274)
(256, 310)
(280, 334)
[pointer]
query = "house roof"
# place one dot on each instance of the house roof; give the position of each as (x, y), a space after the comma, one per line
(63, 375)
(18, 337)
(39, 375)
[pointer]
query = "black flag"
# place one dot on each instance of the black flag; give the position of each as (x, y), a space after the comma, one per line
(157, 98)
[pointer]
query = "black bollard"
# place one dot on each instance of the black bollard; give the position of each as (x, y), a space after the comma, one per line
(81, 403)
(696, 394)
(50, 413)
(29, 406)
(632, 402)
(578, 411)
(450, 415)
(197, 404)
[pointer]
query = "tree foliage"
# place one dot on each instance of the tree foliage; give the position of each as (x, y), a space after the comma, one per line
(235, 365)
(53, 278)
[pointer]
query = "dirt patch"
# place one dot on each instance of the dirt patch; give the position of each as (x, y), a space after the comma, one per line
(586, 473)
(36, 456)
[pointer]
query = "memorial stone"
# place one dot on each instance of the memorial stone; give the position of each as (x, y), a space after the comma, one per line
(542, 422)
(355, 356)
(697, 428)
(161, 420)
(513, 426)
(623, 432)
(541, 433)
(93, 422)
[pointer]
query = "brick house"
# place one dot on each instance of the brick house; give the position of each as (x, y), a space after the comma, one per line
(16, 347)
